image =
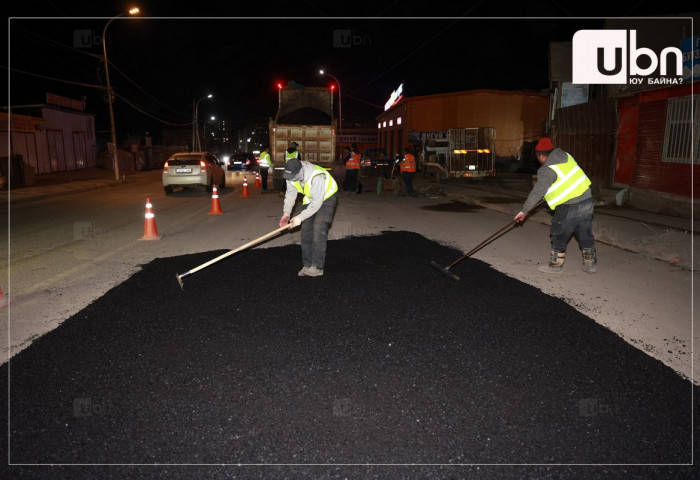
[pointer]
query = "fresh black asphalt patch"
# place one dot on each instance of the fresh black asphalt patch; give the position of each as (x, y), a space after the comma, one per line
(383, 360)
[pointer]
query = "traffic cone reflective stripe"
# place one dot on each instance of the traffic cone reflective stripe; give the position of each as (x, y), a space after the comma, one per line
(150, 230)
(244, 192)
(215, 205)
(257, 181)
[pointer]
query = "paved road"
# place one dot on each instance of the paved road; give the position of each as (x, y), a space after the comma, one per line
(382, 360)
(353, 367)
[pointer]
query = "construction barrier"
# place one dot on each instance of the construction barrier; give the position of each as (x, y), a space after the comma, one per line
(215, 205)
(150, 230)
(244, 192)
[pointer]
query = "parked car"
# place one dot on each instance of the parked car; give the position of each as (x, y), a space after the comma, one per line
(193, 169)
(243, 161)
(374, 159)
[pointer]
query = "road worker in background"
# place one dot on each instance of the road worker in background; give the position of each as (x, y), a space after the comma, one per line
(567, 191)
(407, 165)
(292, 152)
(265, 166)
(352, 170)
(320, 190)
(289, 154)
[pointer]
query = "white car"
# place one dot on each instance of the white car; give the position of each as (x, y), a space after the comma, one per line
(193, 169)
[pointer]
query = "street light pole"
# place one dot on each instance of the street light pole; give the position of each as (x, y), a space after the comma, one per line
(340, 105)
(110, 95)
(196, 120)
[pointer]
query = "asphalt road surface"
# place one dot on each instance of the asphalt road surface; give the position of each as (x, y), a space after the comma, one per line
(382, 368)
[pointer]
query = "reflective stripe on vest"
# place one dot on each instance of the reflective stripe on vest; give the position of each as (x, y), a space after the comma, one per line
(571, 183)
(353, 162)
(288, 156)
(331, 185)
(409, 163)
(265, 160)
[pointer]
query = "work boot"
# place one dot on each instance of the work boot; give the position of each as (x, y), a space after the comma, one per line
(590, 259)
(303, 271)
(313, 272)
(556, 263)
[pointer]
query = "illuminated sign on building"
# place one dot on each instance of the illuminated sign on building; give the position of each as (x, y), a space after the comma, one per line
(395, 97)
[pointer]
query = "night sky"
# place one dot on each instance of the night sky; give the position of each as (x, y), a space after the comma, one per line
(164, 59)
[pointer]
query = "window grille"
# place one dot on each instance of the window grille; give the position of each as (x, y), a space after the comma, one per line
(682, 138)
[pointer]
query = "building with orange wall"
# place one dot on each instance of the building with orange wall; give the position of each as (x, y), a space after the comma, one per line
(517, 116)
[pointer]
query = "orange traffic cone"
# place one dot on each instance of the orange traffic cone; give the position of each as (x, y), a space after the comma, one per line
(215, 205)
(244, 192)
(150, 230)
(257, 181)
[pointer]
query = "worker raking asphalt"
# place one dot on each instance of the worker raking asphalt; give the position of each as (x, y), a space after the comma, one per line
(382, 360)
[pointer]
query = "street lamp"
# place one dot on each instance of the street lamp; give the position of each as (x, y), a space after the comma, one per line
(196, 122)
(340, 104)
(110, 95)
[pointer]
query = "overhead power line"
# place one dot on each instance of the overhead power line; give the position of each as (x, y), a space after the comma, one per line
(24, 72)
(143, 111)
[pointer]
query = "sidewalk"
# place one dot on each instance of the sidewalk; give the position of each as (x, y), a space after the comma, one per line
(61, 183)
(665, 238)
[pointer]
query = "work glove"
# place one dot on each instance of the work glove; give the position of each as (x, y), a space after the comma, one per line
(284, 220)
(519, 217)
(296, 221)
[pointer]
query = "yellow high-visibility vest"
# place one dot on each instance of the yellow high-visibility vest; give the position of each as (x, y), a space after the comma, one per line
(265, 160)
(571, 183)
(331, 185)
(288, 156)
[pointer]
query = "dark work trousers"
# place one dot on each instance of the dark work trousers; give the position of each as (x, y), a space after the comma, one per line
(351, 179)
(314, 234)
(575, 219)
(408, 181)
(263, 177)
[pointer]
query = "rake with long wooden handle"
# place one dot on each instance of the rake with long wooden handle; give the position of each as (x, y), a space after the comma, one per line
(230, 252)
(446, 270)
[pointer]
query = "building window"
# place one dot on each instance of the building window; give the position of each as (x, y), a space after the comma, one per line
(391, 123)
(398, 121)
(88, 127)
(682, 116)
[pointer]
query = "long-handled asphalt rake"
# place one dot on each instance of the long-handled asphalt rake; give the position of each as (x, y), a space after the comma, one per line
(231, 252)
(446, 270)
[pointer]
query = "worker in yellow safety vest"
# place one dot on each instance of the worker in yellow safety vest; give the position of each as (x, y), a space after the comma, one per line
(319, 189)
(291, 152)
(567, 190)
(265, 166)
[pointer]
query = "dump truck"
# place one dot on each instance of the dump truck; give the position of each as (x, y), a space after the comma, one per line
(305, 116)
(464, 153)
